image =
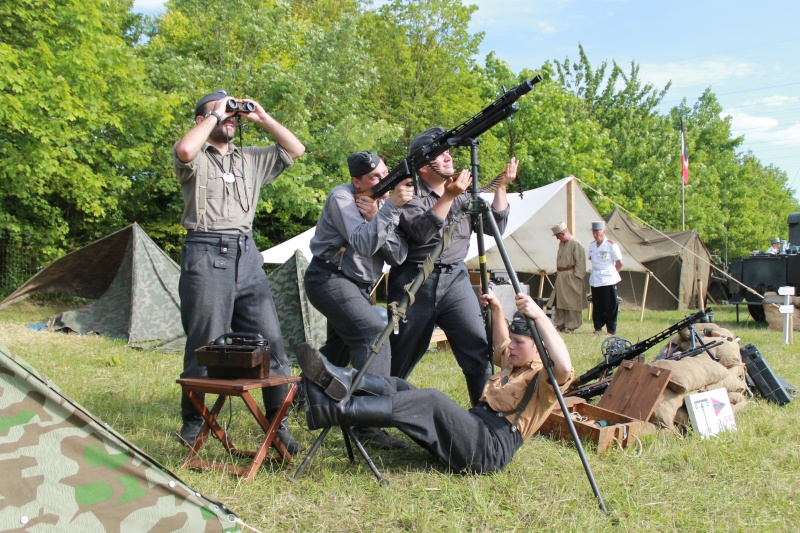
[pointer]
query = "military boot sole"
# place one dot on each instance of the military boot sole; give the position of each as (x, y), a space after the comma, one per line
(314, 369)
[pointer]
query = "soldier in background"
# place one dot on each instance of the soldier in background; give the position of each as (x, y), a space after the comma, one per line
(774, 247)
(569, 296)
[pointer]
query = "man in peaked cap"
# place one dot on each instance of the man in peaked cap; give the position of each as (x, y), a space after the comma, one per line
(352, 240)
(774, 246)
(569, 295)
(223, 286)
(606, 261)
(513, 404)
(446, 298)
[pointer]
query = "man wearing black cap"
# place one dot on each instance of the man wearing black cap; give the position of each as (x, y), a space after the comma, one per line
(446, 298)
(222, 286)
(352, 240)
(513, 405)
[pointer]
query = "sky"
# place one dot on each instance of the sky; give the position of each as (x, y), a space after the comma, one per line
(747, 53)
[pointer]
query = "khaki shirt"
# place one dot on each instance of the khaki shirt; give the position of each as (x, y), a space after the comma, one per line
(228, 208)
(505, 390)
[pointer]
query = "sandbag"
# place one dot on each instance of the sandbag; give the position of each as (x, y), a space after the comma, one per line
(727, 353)
(692, 373)
(734, 382)
(664, 413)
(775, 317)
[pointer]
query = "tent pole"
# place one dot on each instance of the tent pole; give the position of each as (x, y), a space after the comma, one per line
(644, 296)
(571, 205)
(542, 276)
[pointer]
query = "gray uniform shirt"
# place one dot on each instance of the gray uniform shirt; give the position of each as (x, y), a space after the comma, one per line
(228, 209)
(423, 228)
(367, 245)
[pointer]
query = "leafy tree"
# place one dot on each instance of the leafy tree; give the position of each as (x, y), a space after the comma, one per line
(73, 112)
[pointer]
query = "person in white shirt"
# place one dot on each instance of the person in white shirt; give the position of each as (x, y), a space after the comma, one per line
(606, 261)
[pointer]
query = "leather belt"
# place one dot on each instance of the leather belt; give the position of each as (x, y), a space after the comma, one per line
(562, 269)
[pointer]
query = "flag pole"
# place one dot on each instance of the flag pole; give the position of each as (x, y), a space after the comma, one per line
(684, 175)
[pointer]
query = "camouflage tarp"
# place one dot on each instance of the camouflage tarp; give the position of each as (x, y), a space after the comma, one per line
(62, 469)
(300, 321)
(134, 282)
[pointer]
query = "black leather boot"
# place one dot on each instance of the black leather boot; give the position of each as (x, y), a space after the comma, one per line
(192, 421)
(356, 411)
(334, 380)
(273, 397)
(475, 386)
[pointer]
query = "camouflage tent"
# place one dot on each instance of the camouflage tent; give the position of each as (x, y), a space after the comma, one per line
(65, 470)
(300, 321)
(134, 284)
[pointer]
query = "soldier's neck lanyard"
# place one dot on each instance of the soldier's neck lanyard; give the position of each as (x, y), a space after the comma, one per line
(230, 177)
(523, 404)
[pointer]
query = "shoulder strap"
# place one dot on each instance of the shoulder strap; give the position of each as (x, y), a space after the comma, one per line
(202, 190)
(523, 403)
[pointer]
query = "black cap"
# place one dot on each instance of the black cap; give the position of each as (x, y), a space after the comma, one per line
(424, 138)
(361, 163)
(519, 325)
(212, 97)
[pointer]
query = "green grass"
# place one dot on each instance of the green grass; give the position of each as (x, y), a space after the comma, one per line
(743, 480)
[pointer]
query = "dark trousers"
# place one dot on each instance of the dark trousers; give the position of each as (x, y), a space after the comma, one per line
(475, 441)
(605, 308)
(223, 288)
(353, 324)
(445, 299)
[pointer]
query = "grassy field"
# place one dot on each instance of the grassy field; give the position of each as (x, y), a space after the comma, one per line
(744, 480)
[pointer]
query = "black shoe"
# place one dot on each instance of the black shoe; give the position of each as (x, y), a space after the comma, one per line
(379, 438)
(292, 446)
(333, 380)
(189, 432)
(322, 412)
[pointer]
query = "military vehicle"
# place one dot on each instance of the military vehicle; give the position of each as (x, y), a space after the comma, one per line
(767, 273)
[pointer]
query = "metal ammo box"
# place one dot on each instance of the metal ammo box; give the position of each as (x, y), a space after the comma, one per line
(236, 355)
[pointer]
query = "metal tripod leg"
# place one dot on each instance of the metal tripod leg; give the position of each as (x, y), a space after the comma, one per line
(349, 436)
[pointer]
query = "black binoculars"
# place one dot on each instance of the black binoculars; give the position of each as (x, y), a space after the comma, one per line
(241, 107)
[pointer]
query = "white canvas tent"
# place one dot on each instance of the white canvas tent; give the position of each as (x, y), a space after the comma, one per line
(280, 253)
(528, 239)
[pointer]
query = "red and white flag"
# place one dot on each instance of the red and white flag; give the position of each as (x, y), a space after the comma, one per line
(684, 157)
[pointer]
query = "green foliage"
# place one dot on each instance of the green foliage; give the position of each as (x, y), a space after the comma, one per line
(92, 99)
(73, 112)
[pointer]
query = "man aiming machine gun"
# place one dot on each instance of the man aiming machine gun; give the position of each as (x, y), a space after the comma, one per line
(439, 142)
(616, 350)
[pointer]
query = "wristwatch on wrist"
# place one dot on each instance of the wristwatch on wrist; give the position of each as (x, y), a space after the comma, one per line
(215, 115)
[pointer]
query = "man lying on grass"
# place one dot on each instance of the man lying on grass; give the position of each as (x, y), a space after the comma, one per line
(485, 438)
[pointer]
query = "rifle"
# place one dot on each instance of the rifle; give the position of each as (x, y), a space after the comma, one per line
(470, 129)
(616, 353)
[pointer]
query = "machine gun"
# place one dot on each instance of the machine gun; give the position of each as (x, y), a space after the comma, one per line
(591, 390)
(470, 129)
(616, 350)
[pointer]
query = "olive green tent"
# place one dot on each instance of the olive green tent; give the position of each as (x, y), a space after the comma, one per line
(62, 469)
(134, 284)
(676, 261)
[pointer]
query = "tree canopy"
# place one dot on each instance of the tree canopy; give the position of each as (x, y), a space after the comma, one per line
(93, 97)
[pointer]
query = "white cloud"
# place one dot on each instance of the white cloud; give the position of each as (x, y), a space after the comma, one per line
(764, 131)
(687, 74)
(773, 101)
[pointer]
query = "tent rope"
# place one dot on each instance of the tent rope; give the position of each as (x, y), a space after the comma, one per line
(647, 224)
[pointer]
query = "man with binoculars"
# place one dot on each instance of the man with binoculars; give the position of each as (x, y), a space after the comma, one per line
(222, 286)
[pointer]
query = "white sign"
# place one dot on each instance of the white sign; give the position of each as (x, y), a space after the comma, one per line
(786, 291)
(710, 412)
(786, 309)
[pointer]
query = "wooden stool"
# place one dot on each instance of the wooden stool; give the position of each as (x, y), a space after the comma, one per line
(241, 388)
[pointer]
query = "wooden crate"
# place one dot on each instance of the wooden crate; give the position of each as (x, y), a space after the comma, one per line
(621, 427)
